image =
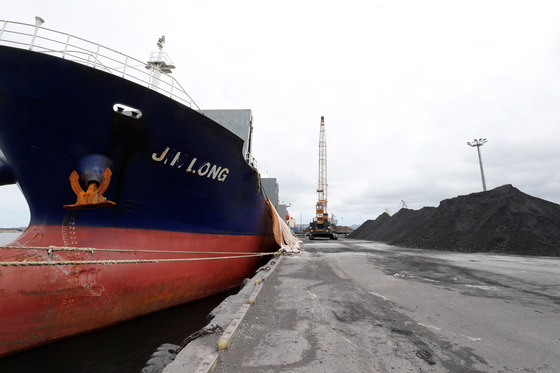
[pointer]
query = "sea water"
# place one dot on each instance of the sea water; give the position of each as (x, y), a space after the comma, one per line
(7, 237)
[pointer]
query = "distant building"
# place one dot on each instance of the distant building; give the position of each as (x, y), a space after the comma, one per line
(238, 121)
(284, 214)
(271, 190)
(282, 210)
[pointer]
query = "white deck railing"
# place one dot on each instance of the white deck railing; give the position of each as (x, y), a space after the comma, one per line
(72, 48)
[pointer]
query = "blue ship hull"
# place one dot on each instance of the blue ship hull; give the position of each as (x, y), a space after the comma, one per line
(55, 112)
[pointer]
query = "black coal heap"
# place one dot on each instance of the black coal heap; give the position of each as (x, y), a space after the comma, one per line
(502, 220)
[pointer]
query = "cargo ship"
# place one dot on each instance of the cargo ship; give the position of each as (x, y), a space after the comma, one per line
(138, 199)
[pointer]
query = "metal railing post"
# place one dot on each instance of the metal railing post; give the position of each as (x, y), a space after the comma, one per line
(96, 56)
(3, 28)
(125, 65)
(66, 46)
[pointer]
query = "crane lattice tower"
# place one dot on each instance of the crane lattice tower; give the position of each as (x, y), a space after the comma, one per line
(321, 211)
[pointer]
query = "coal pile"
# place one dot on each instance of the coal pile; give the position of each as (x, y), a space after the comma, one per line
(503, 220)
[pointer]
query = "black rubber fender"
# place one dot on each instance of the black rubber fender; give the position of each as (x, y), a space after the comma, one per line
(245, 282)
(163, 356)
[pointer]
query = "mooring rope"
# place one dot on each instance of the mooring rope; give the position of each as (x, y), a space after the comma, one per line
(93, 249)
(123, 261)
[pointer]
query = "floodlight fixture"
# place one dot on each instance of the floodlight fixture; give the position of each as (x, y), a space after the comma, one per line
(39, 21)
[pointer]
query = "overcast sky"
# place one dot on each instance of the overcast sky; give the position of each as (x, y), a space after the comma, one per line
(402, 84)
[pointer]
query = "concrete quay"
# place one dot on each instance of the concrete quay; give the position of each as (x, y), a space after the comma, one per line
(360, 306)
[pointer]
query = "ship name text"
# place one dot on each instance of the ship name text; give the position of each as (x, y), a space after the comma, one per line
(174, 158)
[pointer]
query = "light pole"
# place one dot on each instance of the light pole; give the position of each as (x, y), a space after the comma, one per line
(478, 143)
(38, 22)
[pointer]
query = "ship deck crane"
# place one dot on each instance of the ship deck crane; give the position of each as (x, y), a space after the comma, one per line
(321, 226)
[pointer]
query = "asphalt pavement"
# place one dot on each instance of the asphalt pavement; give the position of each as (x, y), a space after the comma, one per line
(359, 306)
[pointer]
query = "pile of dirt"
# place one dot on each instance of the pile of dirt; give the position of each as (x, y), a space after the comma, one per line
(502, 220)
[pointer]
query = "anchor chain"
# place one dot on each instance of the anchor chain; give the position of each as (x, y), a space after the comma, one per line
(208, 329)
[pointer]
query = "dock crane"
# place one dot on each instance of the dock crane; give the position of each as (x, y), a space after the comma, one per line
(321, 226)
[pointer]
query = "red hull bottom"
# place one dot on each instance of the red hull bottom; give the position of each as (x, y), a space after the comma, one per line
(129, 273)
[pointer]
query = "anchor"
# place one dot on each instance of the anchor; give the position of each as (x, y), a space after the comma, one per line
(91, 198)
(95, 183)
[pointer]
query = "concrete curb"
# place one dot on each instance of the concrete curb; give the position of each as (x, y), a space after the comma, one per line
(201, 355)
(208, 364)
(229, 333)
(255, 293)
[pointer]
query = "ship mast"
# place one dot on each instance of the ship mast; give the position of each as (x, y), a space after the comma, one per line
(321, 208)
(159, 63)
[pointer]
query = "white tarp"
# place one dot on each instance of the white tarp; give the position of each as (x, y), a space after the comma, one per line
(282, 233)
